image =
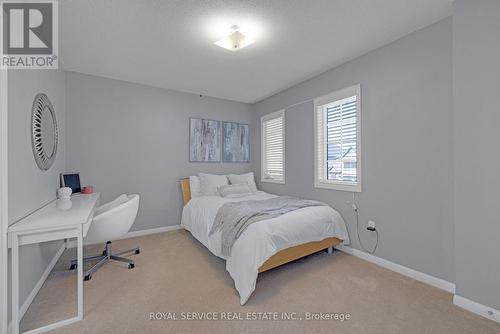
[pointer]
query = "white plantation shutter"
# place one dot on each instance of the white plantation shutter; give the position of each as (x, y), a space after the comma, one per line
(337, 128)
(273, 147)
(320, 143)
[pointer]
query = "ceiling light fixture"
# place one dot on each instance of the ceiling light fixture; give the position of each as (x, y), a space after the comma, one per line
(235, 40)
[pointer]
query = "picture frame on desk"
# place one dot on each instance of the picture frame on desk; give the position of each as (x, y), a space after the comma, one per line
(71, 180)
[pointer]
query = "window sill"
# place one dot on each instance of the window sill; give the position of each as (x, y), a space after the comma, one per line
(273, 181)
(338, 186)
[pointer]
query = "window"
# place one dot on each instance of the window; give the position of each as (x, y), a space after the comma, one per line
(273, 147)
(337, 119)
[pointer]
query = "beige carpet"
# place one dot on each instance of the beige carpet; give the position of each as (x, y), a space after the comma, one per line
(174, 273)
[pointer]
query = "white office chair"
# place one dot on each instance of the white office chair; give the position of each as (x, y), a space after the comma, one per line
(111, 221)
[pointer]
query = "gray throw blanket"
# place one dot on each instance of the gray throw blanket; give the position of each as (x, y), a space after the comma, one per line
(233, 218)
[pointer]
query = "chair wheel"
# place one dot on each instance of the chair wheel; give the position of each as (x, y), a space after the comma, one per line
(73, 266)
(87, 277)
(131, 266)
(138, 252)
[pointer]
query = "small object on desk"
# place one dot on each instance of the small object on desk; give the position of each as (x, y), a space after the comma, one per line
(88, 190)
(64, 193)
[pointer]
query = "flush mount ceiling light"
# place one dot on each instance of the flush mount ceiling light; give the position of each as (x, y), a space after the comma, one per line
(235, 40)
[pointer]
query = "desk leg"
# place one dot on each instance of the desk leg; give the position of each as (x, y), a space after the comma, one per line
(80, 271)
(15, 284)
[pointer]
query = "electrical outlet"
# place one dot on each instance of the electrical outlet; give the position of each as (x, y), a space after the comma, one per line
(371, 224)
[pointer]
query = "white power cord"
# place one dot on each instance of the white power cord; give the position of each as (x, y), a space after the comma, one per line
(355, 208)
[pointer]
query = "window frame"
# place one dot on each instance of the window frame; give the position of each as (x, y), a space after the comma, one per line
(330, 98)
(264, 118)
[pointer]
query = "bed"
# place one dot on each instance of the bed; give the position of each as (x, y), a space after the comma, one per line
(264, 245)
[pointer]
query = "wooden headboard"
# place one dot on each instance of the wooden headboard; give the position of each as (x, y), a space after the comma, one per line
(186, 190)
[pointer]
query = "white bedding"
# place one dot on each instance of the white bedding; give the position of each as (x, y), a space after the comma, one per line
(263, 239)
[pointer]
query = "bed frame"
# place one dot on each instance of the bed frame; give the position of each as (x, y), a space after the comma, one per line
(285, 255)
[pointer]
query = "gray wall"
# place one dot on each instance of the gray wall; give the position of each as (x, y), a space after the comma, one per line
(29, 187)
(130, 138)
(406, 145)
(476, 70)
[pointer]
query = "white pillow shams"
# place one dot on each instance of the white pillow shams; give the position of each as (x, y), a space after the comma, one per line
(234, 190)
(211, 182)
(195, 186)
(247, 178)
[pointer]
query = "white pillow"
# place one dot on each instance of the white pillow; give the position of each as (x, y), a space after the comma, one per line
(247, 178)
(234, 190)
(195, 186)
(210, 183)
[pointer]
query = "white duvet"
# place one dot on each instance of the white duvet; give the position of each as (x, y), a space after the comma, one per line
(260, 240)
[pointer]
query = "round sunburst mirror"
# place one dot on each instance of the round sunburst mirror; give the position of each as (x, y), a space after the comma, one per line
(43, 131)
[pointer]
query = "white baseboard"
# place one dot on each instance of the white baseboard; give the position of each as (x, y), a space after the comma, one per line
(134, 234)
(24, 307)
(419, 276)
(479, 309)
(151, 231)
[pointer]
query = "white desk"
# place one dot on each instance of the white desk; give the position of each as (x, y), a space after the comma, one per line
(57, 220)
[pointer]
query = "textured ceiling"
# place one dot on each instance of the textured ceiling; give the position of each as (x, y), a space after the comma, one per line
(169, 44)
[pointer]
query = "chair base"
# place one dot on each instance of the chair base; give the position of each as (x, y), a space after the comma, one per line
(106, 256)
